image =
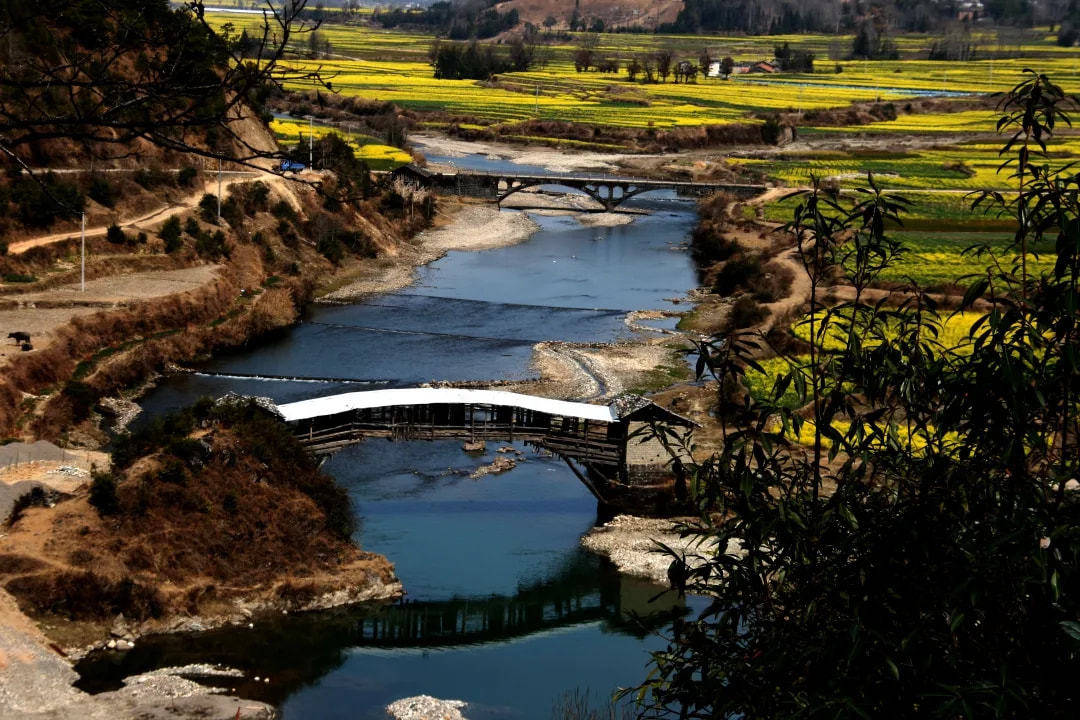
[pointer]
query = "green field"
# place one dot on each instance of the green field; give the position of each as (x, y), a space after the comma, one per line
(392, 66)
(934, 159)
(369, 149)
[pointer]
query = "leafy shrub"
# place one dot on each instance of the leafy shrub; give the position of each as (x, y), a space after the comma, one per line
(186, 176)
(102, 191)
(81, 398)
(745, 313)
(332, 249)
(736, 274)
(208, 208)
(210, 246)
(103, 493)
(115, 235)
(170, 234)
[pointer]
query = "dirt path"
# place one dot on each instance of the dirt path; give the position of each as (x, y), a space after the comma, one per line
(139, 223)
(120, 289)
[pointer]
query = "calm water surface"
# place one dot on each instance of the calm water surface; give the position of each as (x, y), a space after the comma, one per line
(504, 609)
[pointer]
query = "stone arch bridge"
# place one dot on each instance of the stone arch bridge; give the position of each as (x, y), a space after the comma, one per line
(607, 190)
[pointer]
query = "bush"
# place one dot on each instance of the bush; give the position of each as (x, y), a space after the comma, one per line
(102, 191)
(332, 249)
(103, 493)
(736, 274)
(208, 208)
(192, 227)
(81, 398)
(745, 313)
(186, 176)
(771, 130)
(115, 235)
(170, 234)
(210, 246)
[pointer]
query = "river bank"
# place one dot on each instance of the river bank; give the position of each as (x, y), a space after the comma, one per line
(39, 683)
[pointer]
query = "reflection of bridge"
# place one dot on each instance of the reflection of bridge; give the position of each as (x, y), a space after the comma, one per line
(299, 648)
(608, 191)
(624, 464)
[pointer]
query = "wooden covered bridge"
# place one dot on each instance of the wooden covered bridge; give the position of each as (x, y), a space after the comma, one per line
(609, 447)
(609, 191)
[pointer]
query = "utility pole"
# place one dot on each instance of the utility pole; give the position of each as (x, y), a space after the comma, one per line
(310, 142)
(82, 274)
(219, 189)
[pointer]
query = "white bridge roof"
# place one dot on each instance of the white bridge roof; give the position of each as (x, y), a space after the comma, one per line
(334, 404)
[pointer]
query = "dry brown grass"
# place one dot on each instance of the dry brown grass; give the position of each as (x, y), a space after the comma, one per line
(233, 522)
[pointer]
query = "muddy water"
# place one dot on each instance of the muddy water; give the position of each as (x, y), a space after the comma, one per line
(503, 610)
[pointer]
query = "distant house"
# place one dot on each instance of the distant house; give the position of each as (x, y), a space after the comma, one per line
(762, 67)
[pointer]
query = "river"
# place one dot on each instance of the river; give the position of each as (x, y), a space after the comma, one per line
(504, 610)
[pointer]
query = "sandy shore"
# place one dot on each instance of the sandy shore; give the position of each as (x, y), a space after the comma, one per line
(465, 227)
(631, 544)
(551, 158)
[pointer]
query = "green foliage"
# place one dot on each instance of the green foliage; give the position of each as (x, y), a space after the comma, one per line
(332, 249)
(82, 398)
(186, 176)
(211, 247)
(736, 274)
(40, 202)
(103, 493)
(921, 558)
(102, 191)
(208, 208)
(170, 234)
(115, 235)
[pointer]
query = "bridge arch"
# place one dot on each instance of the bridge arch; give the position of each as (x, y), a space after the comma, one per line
(609, 194)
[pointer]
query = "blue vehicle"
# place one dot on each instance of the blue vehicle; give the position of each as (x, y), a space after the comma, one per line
(290, 166)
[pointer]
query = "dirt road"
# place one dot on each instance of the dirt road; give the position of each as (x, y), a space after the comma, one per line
(143, 222)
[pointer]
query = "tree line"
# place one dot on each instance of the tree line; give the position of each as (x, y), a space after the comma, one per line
(453, 60)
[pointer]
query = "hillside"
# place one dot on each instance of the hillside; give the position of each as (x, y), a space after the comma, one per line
(182, 528)
(613, 13)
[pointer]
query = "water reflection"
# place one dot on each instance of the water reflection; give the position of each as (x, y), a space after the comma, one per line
(298, 650)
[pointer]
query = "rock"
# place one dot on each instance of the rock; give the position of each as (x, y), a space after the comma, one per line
(473, 446)
(631, 544)
(111, 644)
(425, 707)
(500, 465)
